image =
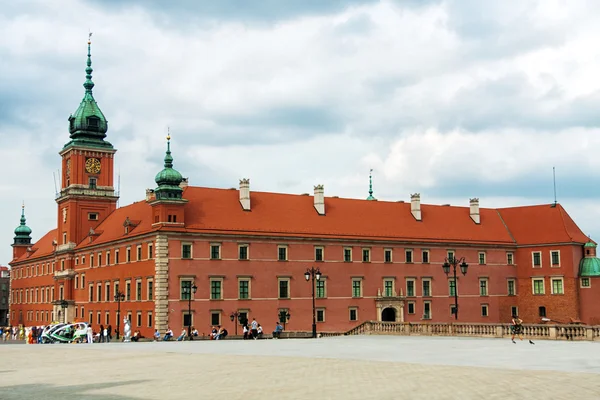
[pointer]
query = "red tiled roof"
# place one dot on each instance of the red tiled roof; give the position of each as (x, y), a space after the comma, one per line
(140, 213)
(219, 211)
(3, 268)
(42, 247)
(275, 213)
(541, 224)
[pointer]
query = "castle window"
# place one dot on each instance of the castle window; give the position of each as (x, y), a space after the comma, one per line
(93, 216)
(92, 183)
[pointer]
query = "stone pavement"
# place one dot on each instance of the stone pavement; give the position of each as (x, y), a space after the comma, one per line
(355, 367)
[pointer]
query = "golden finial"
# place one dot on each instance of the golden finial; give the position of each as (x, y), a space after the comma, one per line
(168, 133)
(90, 38)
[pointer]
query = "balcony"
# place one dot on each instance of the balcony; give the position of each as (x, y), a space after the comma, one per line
(65, 247)
(68, 273)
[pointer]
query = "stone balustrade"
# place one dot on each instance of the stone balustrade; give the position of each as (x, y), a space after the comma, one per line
(533, 331)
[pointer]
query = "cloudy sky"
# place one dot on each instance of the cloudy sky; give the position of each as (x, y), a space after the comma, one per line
(452, 99)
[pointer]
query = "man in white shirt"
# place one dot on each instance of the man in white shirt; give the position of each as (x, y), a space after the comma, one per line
(90, 334)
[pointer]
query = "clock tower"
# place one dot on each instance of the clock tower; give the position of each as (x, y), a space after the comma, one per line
(87, 194)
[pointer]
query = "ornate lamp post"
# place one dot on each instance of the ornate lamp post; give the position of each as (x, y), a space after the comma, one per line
(314, 274)
(284, 317)
(119, 297)
(454, 262)
(235, 315)
(64, 304)
(190, 290)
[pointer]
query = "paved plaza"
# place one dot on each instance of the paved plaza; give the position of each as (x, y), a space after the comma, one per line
(356, 367)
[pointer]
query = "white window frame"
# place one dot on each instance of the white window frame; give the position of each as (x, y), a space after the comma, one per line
(350, 309)
(414, 305)
(362, 254)
(487, 287)
(287, 252)
(487, 310)
(289, 288)
(510, 258)
(533, 280)
(324, 319)
(322, 248)
(430, 287)
(393, 286)
(479, 254)
(562, 284)
(414, 285)
(514, 281)
(428, 256)
(247, 247)
(533, 259)
(430, 316)
(219, 248)
(412, 256)
(360, 284)
(391, 252)
(589, 285)
(552, 265)
(191, 257)
(344, 254)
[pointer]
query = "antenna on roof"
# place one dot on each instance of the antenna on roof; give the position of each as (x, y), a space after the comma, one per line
(55, 187)
(554, 181)
(119, 187)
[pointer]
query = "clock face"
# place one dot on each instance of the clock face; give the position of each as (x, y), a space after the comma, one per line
(92, 165)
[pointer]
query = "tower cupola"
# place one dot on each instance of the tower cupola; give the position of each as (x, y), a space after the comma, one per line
(88, 126)
(590, 264)
(169, 179)
(22, 232)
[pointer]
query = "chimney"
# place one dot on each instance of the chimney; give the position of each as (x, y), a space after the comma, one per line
(474, 203)
(149, 194)
(415, 205)
(184, 183)
(320, 199)
(245, 194)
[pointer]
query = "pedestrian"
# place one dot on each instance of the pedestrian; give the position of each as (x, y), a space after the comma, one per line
(109, 332)
(90, 334)
(101, 337)
(254, 328)
(517, 329)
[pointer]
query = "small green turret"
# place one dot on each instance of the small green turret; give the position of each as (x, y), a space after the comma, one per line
(22, 232)
(590, 264)
(371, 186)
(169, 179)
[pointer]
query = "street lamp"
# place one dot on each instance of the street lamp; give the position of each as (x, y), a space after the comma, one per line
(454, 262)
(314, 274)
(64, 304)
(235, 315)
(284, 317)
(189, 290)
(119, 297)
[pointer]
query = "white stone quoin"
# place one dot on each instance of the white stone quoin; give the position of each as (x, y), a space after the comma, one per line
(415, 205)
(474, 205)
(245, 194)
(320, 199)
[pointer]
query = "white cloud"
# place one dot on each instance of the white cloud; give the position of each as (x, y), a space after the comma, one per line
(434, 98)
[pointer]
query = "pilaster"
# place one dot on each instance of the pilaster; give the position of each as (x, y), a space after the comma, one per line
(161, 284)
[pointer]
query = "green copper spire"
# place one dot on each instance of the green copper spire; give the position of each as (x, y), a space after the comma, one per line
(371, 186)
(88, 125)
(168, 179)
(23, 232)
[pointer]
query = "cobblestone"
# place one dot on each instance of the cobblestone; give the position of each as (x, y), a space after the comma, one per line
(367, 367)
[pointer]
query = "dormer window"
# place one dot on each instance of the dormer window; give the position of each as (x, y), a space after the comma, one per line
(93, 122)
(71, 124)
(92, 182)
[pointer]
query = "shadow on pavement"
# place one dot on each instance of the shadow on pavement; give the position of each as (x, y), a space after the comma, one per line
(51, 392)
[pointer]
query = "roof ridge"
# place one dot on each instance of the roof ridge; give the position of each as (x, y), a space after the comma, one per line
(562, 218)
(506, 226)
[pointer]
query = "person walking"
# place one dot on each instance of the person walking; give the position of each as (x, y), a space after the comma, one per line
(90, 334)
(101, 337)
(109, 333)
(254, 328)
(517, 329)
